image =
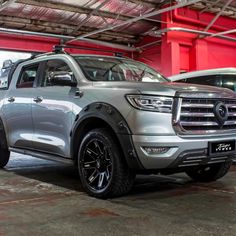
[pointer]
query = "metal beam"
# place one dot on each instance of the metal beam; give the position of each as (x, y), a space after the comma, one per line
(77, 9)
(42, 25)
(210, 6)
(217, 15)
(145, 3)
(94, 11)
(154, 13)
(65, 37)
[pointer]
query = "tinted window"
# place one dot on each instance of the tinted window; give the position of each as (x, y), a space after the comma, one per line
(115, 69)
(53, 66)
(27, 76)
(229, 81)
(212, 80)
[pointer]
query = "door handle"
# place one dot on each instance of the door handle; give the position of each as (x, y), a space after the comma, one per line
(11, 99)
(79, 93)
(38, 99)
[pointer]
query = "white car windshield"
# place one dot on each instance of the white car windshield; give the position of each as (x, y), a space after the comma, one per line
(115, 69)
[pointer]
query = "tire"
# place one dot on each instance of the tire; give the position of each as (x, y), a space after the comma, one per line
(102, 168)
(209, 173)
(4, 157)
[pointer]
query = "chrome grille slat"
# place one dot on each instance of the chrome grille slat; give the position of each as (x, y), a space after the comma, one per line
(230, 123)
(199, 105)
(199, 123)
(231, 106)
(197, 115)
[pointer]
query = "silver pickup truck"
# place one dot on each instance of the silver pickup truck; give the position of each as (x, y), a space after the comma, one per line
(114, 118)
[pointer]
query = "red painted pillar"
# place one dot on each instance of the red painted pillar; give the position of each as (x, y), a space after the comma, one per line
(199, 55)
(170, 57)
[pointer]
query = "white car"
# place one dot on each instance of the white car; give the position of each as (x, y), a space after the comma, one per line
(223, 77)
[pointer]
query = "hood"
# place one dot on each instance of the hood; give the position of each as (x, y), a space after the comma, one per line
(169, 89)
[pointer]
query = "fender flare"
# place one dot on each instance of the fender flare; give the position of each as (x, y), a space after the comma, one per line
(112, 117)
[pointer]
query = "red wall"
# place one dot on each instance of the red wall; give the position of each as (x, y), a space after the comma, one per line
(42, 44)
(183, 52)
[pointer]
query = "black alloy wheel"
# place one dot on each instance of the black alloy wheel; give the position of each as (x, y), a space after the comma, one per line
(102, 168)
(96, 165)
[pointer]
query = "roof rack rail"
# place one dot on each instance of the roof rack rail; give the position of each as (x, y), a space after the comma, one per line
(60, 49)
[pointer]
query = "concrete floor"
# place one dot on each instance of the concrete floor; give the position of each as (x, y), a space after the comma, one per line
(39, 197)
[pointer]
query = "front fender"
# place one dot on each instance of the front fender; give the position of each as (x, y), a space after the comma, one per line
(112, 117)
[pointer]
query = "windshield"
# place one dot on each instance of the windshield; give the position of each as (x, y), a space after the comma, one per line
(115, 69)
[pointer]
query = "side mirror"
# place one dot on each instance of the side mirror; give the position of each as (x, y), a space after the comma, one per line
(63, 78)
(7, 64)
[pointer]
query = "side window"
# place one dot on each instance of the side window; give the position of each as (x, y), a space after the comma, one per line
(51, 68)
(229, 81)
(27, 76)
(212, 80)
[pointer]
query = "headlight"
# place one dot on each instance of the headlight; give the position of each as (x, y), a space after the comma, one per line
(151, 103)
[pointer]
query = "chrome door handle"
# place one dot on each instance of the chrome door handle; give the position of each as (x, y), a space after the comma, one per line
(38, 99)
(11, 99)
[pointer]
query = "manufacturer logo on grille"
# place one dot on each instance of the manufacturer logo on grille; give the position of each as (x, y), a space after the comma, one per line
(221, 113)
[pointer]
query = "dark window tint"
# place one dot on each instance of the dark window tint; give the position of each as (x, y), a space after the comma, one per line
(212, 80)
(27, 76)
(52, 67)
(114, 69)
(229, 81)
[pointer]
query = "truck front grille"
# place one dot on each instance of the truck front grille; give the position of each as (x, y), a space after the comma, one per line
(196, 115)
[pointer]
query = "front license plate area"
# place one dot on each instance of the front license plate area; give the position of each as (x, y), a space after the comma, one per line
(222, 147)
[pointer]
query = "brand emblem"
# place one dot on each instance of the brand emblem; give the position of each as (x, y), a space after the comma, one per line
(221, 113)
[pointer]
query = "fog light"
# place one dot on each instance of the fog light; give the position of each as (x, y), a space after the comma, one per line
(156, 150)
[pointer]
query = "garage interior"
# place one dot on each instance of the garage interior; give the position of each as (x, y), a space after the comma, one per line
(39, 197)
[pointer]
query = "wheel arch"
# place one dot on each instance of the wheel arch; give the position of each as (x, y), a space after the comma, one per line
(102, 115)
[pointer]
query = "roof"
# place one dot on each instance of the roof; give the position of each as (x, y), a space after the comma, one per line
(88, 18)
(230, 70)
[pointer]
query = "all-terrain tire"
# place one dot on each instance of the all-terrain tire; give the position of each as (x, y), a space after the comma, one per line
(103, 170)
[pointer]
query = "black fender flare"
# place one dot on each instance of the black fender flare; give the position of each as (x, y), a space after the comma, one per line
(112, 117)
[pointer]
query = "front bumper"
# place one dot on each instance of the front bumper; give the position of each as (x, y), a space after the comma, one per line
(183, 152)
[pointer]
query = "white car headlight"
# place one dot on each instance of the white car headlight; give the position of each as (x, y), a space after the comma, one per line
(151, 103)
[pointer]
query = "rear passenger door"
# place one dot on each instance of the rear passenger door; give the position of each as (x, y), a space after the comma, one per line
(17, 108)
(52, 111)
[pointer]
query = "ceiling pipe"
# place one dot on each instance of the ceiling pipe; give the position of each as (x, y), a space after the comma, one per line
(135, 19)
(65, 37)
(192, 31)
(222, 33)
